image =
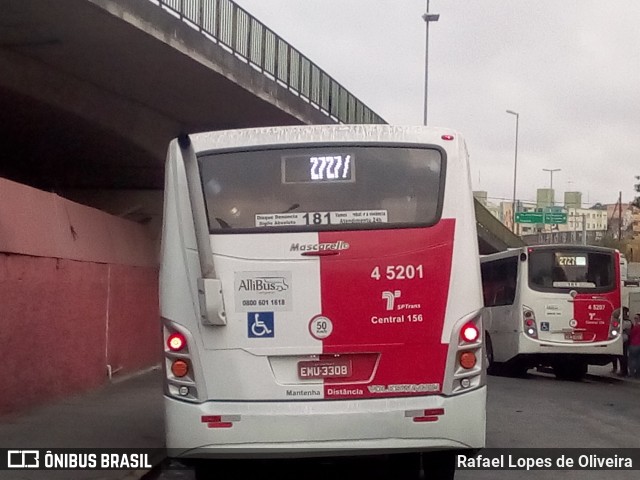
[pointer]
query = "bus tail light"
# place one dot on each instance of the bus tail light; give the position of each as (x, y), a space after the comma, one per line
(176, 342)
(465, 364)
(178, 366)
(469, 332)
(468, 360)
(614, 325)
(530, 326)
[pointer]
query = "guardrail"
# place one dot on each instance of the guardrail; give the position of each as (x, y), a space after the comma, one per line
(233, 28)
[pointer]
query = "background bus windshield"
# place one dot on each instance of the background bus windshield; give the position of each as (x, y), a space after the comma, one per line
(328, 188)
(571, 269)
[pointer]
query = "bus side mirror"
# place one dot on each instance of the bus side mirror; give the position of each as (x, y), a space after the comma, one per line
(211, 302)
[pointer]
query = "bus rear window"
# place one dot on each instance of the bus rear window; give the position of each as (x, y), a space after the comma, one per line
(571, 270)
(322, 188)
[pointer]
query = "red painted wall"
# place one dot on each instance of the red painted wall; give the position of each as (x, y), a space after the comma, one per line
(133, 337)
(78, 298)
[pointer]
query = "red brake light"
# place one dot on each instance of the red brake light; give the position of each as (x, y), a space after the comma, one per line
(469, 333)
(529, 323)
(447, 137)
(176, 341)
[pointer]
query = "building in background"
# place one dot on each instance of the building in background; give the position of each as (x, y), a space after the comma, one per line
(592, 222)
(599, 223)
(573, 199)
(545, 198)
(593, 219)
(623, 220)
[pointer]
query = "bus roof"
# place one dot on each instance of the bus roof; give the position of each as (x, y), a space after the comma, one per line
(306, 134)
(555, 246)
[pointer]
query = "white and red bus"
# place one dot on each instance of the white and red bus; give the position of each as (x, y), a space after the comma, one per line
(320, 292)
(552, 306)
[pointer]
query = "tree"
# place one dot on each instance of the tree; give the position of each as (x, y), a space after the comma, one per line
(636, 201)
(611, 241)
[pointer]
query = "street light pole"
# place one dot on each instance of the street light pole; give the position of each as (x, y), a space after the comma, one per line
(427, 17)
(515, 170)
(551, 170)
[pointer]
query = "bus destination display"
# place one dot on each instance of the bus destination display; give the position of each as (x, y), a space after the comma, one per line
(318, 168)
(298, 219)
(571, 260)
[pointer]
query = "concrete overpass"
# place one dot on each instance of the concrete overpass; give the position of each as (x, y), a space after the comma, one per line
(91, 93)
(97, 88)
(493, 235)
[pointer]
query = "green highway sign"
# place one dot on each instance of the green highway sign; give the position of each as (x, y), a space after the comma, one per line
(541, 217)
(555, 217)
(529, 217)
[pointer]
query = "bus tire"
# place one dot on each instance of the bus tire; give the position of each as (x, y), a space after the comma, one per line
(572, 370)
(491, 365)
(517, 368)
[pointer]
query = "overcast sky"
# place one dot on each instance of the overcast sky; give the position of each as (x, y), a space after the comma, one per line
(570, 68)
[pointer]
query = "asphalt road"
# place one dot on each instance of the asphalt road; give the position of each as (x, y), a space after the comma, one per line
(538, 411)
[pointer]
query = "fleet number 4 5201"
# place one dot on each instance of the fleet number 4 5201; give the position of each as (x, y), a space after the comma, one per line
(398, 272)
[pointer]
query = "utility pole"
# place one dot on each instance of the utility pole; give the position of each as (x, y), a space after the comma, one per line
(620, 216)
(515, 171)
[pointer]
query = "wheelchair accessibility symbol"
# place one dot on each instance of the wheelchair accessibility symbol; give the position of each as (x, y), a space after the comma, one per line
(260, 325)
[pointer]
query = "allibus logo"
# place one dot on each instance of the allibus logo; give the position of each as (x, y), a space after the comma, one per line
(263, 284)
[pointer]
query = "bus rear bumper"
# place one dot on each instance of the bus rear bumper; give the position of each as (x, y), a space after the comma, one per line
(609, 347)
(307, 429)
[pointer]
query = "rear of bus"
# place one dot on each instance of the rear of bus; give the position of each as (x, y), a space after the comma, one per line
(571, 307)
(320, 292)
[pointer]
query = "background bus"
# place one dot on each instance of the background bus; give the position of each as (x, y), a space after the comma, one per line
(552, 306)
(320, 294)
